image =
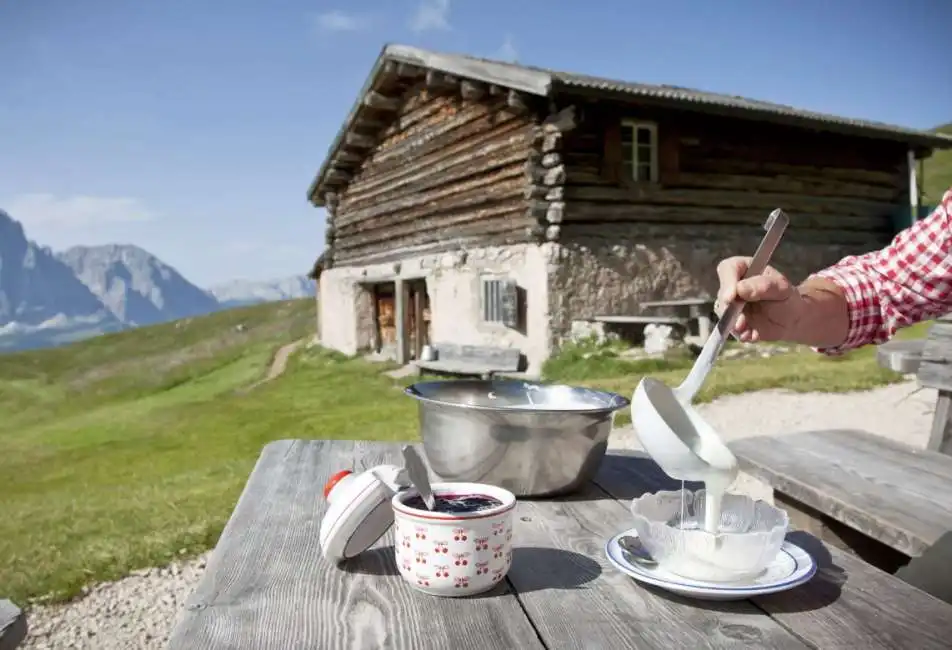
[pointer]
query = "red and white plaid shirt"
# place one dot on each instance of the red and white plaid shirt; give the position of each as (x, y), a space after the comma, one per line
(907, 282)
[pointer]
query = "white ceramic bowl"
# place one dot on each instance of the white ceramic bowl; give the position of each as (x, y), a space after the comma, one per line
(750, 537)
(454, 554)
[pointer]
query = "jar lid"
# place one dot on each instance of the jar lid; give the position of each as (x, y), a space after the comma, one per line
(359, 510)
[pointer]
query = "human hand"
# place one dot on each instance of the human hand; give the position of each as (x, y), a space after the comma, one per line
(775, 306)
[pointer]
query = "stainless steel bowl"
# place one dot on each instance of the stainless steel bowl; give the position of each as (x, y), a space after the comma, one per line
(530, 438)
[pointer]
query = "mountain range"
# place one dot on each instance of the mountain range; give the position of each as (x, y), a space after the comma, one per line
(49, 298)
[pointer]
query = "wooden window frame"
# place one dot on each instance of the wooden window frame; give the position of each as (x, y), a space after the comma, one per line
(655, 168)
(507, 318)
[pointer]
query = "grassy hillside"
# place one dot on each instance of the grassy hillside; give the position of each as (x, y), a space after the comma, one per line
(127, 450)
(938, 172)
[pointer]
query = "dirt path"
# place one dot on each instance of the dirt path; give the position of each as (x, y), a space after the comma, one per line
(278, 365)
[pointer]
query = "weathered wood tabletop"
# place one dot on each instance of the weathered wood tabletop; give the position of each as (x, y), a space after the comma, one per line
(267, 586)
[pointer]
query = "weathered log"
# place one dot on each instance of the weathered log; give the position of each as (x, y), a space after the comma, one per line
(507, 144)
(536, 231)
(416, 116)
(409, 71)
(535, 191)
(472, 90)
(551, 160)
(473, 242)
(556, 193)
(551, 142)
(789, 184)
(496, 91)
(474, 118)
(517, 101)
(554, 176)
(373, 99)
(370, 184)
(555, 211)
(580, 211)
(439, 81)
(359, 140)
(650, 193)
(368, 124)
(640, 232)
(536, 210)
(335, 175)
(417, 204)
(504, 217)
(552, 233)
(346, 156)
(561, 122)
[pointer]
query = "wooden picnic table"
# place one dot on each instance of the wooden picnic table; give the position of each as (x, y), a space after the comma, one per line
(699, 309)
(267, 586)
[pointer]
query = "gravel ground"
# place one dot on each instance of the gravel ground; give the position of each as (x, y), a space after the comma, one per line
(138, 612)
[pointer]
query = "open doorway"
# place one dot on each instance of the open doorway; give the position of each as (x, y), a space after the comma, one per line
(418, 317)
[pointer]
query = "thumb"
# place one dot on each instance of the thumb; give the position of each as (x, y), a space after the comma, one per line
(729, 273)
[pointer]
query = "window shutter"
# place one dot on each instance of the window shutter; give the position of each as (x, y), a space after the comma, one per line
(669, 146)
(611, 151)
(509, 304)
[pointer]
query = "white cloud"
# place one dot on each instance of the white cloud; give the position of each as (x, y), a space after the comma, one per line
(431, 15)
(507, 51)
(341, 21)
(47, 210)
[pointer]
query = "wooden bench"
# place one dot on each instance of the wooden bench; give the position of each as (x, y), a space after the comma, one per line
(12, 625)
(931, 360)
(690, 309)
(885, 502)
(472, 360)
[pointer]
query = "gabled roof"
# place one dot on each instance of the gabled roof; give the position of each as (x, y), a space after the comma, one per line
(541, 82)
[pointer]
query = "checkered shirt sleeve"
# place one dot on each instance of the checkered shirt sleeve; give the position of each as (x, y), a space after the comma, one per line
(908, 281)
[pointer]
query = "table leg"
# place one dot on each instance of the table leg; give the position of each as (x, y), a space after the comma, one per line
(940, 438)
(704, 327)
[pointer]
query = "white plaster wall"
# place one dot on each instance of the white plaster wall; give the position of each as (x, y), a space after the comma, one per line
(453, 282)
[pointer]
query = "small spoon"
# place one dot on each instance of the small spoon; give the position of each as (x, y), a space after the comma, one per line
(636, 551)
(418, 476)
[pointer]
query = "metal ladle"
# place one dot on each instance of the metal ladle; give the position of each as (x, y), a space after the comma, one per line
(419, 476)
(672, 432)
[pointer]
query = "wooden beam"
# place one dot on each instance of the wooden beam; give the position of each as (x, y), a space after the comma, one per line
(555, 211)
(535, 191)
(495, 90)
(472, 90)
(517, 101)
(551, 160)
(436, 80)
(408, 71)
(554, 176)
(348, 156)
(556, 193)
(564, 120)
(537, 210)
(338, 175)
(359, 140)
(552, 233)
(373, 99)
(369, 124)
(551, 142)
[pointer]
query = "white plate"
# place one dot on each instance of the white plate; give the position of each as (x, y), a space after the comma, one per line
(792, 568)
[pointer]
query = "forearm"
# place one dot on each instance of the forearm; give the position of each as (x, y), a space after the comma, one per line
(825, 319)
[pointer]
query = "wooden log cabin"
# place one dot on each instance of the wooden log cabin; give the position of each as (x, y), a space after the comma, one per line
(477, 202)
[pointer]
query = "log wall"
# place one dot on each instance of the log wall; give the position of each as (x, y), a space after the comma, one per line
(622, 243)
(448, 171)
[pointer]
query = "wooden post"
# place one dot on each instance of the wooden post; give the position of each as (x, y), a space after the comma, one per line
(400, 316)
(913, 189)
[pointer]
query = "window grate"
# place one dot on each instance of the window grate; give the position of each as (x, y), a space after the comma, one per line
(500, 302)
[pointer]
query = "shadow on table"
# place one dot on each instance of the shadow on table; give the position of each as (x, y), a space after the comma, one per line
(380, 561)
(535, 568)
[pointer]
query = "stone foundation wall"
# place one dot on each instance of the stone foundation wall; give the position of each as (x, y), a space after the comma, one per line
(598, 277)
(454, 287)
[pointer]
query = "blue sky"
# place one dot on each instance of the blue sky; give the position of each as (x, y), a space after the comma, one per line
(193, 128)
